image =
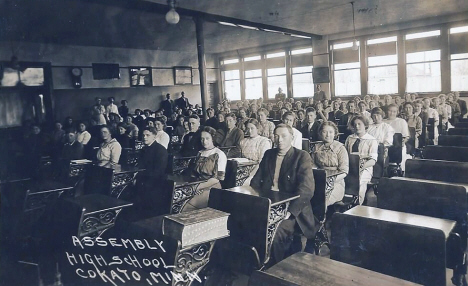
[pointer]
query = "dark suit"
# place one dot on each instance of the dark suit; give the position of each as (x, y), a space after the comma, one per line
(312, 133)
(192, 144)
(224, 138)
(296, 178)
(182, 102)
(152, 195)
(153, 159)
(463, 107)
(346, 118)
(72, 151)
(166, 105)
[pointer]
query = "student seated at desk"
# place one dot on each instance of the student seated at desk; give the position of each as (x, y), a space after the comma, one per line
(254, 146)
(331, 156)
(365, 146)
(380, 130)
(153, 159)
(287, 169)
(209, 165)
(122, 136)
(191, 143)
(109, 150)
(162, 137)
(72, 150)
(83, 136)
(231, 136)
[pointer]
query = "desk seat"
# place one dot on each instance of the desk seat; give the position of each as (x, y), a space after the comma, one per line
(303, 269)
(453, 140)
(437, 170)
(255, 216)
(407, 246)
(447, 153)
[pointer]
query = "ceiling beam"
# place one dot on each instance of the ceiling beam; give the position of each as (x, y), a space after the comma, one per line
(158, 8)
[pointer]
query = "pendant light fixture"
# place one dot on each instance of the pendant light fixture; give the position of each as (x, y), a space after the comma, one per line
(172, 17)
(355, 46)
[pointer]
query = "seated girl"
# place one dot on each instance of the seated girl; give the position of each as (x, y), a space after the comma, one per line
(366, 146)
(109, 151)
(254, 146)
(415, 122)
(380, 130)
(331, 156)
(399, 125)
(209, 165)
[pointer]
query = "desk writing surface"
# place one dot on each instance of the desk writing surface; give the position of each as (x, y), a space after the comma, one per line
(403, 218)
(97, 202)
(305, 269)
(122, 168)
(181, 180)
(273, 196)
(431, 182)
(46, 186)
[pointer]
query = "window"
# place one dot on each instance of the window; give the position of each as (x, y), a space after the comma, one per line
(232, 84)
(459, 58)
(276, 73)
(347, 70)
(423, 62)
(302, 81)
(253, 84)
(382, 63)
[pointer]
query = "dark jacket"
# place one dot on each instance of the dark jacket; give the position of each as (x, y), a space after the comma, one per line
(72, 152)
(182, 103)
(463, 107)
(223, 138)
(192, 144)
(212, 122)
(166, 105)
(295, 178)
(153, 159)
(312, 133)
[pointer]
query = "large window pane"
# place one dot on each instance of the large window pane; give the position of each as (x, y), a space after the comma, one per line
(275, 82)
(425, 56)
(232, 89)
(383, 60)
(232, 74)
(459, 74)
(302, 69)
(303, 85)
(253, 73)
(276, 71)
(423, 77)
(383, 80)
(253, 88)
(347, 82)
(232, 84)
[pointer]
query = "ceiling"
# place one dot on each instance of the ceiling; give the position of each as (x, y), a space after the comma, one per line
(90, 23)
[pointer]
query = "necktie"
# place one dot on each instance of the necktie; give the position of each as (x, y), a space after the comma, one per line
(355, 147)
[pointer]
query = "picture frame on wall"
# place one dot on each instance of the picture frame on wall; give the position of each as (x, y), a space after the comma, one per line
(140, 76)
(183, 75)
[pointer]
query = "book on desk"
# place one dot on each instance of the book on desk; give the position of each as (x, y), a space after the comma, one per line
(196, 226)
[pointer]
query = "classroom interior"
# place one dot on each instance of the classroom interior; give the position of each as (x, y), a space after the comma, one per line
(64, 221)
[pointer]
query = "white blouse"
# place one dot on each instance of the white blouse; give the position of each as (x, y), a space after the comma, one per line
(162, 138)
(83, 137)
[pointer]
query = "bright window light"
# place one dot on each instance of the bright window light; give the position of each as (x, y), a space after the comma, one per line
(230, 61)
(275, 55)
(457, 30)
(423, 35)
(459, 56)
(382, 40)
(252, 58)
(301, 51)
(344, 45)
